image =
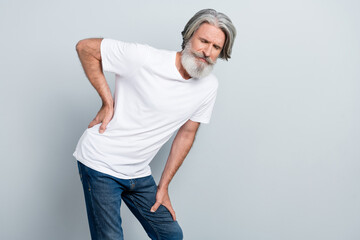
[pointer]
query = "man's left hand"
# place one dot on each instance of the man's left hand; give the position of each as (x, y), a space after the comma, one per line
(162, 198)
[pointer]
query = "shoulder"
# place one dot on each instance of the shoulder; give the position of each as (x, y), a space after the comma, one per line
(122, 46)
(160, 57)
(159, 52)
(123, 57)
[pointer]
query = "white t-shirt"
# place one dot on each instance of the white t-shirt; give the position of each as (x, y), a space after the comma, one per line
(152, 101)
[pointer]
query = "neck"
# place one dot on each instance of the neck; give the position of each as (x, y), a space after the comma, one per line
(180, 67)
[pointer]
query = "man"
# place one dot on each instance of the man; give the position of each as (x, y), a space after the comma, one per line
(157, 92)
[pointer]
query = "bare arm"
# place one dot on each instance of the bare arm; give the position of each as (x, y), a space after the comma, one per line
(179, 150)
(90, 57)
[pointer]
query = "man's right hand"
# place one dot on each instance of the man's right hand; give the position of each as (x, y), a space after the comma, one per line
(90, 57)
(104, 116)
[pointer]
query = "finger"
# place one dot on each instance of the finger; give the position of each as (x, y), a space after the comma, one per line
(103, 126)
(155, 207)
(172, 212)
(93, 123)
(173, 215)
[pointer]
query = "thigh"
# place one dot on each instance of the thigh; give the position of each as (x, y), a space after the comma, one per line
(140, 199)
(103, 199)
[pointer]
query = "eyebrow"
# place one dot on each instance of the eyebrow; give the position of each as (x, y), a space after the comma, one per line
(201, 38)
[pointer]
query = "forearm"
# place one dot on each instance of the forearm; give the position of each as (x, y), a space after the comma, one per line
(89, 54)
(179, 150)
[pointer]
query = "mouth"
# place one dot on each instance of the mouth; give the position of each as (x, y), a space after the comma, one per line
(202, 59)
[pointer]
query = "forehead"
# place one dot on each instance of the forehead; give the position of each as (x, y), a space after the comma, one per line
(211, 33)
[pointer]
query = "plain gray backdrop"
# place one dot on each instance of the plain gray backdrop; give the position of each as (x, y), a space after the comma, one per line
(279, 160)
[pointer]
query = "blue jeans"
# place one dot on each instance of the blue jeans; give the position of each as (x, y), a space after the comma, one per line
(103, 194)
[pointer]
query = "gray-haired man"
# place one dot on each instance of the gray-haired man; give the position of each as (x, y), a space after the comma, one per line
(157, 92)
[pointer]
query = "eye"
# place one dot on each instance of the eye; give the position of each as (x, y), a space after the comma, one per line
(203, 40)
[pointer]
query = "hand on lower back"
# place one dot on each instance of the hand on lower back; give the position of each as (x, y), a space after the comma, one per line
(162, 198)
(104, 116)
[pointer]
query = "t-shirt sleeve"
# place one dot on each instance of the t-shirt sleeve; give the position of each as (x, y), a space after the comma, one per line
(203, 113)
(120, 57)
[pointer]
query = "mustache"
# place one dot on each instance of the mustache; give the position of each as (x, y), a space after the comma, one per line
(207, 59)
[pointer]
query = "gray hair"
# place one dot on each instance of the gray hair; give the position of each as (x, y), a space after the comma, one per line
(214, 18)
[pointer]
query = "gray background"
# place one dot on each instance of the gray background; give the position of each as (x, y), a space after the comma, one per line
(279, 161)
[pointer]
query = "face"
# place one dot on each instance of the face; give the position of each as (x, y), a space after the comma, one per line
(208, 41)
(202, 50)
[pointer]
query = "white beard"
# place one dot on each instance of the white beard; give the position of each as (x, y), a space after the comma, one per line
(193, 66)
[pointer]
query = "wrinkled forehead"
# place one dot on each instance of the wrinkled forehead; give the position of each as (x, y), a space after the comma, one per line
(211, 33)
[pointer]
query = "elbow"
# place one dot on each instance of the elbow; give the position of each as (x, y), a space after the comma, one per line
(80, 46)
(90, 46)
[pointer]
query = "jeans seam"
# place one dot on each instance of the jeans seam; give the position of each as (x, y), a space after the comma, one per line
(139, 209)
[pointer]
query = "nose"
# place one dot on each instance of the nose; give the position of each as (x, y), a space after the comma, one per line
(207, 51)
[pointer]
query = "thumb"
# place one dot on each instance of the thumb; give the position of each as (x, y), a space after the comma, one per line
(155, 207)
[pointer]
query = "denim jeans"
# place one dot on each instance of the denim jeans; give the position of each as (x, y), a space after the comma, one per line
(103, 195)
